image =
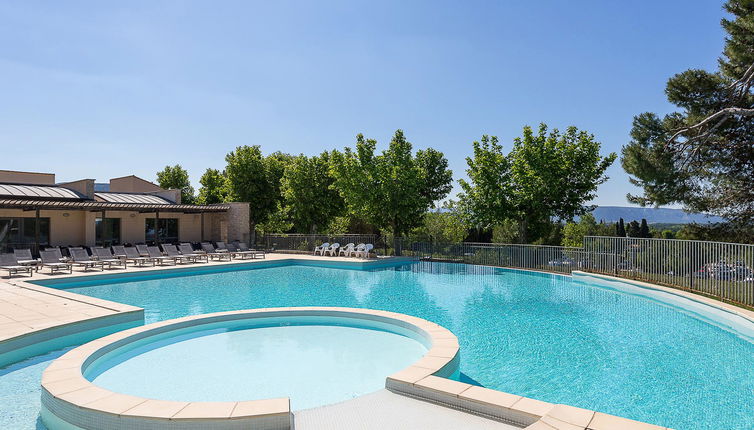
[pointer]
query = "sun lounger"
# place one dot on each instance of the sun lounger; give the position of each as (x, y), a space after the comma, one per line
(80, 258)
(188, 251)
(132, 255)
(172, 252)
(221, 247)
(143, 251)
(245, 248)
(333, 250)
(119, 251)
(24, 257)
(213, 254)
(156, 255)
(235, 252)
(52, 258)
(322, 248)
(9, 262)
(106, 256)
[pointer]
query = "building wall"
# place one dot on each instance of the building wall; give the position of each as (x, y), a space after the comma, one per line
(34, 178)
(66, 227)
(132, 184)
(71, 228)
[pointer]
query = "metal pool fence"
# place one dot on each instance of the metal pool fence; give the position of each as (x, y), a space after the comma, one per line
(721, 270)
(718, 269)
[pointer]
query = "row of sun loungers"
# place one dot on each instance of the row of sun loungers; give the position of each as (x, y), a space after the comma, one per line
(118, 256)
(350, 250)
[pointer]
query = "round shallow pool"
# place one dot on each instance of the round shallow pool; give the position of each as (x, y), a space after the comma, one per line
(238, 369)
(312, 364)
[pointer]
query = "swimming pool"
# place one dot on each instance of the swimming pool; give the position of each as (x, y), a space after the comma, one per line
(549, 337)
(313, 363)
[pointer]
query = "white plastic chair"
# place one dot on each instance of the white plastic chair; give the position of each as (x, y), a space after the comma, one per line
(333, 250)
(345, 250)
(359, 248)
(365, 252)
(322, 248)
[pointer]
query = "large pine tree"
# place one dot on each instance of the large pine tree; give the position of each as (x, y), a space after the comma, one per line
(703, 155)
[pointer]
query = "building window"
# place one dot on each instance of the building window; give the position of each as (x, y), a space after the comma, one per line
(107, 231)
(21, 233)
(167, 230)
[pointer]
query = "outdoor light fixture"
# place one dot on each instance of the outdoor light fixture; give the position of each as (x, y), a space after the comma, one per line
(66, 214)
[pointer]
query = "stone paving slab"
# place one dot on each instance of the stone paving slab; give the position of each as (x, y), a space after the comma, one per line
(385, 410)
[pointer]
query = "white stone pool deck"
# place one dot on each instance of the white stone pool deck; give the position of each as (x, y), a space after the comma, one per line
(28, 310)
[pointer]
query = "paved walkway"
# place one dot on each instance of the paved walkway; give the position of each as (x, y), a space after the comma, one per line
(385, 410)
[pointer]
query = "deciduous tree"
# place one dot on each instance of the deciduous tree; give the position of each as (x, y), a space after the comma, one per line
(545, 176)
(311, 200)
(255, 179)
(214, 188)
(176, 178)
(394, 189)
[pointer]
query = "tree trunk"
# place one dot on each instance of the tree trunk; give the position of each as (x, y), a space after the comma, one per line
(397, 245)
(523, 230)
(252, 232)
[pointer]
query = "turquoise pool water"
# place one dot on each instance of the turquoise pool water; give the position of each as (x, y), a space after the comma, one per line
(544, 336)
(313, 365)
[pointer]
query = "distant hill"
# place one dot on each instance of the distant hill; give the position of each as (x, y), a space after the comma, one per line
(652, 215)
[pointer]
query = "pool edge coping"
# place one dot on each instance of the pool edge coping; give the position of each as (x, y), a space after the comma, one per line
(63, 381)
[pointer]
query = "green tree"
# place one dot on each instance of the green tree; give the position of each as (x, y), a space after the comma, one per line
(176, 178)
(255, 179)
(214, 188)
(394, 189)
(545, 176)
(446, 226)
(574, 232)
(644, 229)
(634, 229)
(702, 156)
(309, 195)
(620, 229)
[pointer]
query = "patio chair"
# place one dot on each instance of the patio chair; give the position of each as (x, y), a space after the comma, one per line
(345, 250)
(24, 257)
(132, 255)
(143, 251)
(172, 251)
(359, 248)
(322, 248)
(187, 250)
(9, 262)
(245, 248)
(156, 255)
(106, 256)
(80, 258)
(333, 250)
(364, 253)
(52, 258)
(213, 254)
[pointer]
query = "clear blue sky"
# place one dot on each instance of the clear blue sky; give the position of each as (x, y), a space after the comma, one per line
(105, 89)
